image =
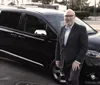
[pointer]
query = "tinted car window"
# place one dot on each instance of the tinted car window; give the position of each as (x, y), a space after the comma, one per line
(57, 21)
(89, 29)
(10, 19)
(52, 19)
(33, 24)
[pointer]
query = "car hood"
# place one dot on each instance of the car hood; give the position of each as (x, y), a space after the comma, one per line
(94, 42)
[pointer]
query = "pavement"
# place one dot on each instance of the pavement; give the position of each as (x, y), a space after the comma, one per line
(94, 22)
(14, 73)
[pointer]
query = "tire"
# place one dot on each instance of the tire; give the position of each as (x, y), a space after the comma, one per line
(58, 75)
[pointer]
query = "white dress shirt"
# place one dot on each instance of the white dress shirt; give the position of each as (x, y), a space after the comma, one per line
(68, 30)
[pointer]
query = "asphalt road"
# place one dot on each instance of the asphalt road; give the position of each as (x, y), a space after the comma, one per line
(12, 73)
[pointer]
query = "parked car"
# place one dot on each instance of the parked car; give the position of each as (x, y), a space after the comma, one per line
(30, 34)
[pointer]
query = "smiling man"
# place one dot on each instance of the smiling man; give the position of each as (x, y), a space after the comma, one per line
(72, 44)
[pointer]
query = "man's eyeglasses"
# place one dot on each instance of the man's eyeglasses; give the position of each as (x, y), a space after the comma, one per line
(69, 15)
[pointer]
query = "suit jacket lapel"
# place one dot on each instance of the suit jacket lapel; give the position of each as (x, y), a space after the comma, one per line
(62, 36)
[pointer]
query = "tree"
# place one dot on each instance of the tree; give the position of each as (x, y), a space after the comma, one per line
(46, 1)
(99, 3)
(78, 4)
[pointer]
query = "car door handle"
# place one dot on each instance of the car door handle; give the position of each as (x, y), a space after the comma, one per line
(13, 34)
(20, 36)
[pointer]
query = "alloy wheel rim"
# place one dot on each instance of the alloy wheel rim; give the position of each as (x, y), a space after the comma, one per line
(58, 75)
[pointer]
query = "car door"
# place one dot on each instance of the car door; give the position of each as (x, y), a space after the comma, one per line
(35, 42)
(9, 22)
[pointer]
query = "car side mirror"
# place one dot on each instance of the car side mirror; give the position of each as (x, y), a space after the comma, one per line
(40, 32)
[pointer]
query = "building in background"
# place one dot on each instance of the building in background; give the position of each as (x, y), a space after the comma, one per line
(17, 2)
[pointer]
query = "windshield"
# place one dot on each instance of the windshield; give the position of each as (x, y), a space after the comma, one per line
(57, 20)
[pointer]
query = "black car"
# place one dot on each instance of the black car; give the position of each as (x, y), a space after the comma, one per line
(30, 34)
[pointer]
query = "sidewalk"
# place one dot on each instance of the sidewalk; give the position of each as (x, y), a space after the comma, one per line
(93, 18)
(94, 22)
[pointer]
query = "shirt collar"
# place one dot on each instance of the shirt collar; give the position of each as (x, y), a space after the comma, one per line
(69, 27)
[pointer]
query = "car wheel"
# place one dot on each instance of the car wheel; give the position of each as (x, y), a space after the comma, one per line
(58, 75)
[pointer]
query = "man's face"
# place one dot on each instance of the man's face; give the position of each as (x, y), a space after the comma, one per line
(69, 18)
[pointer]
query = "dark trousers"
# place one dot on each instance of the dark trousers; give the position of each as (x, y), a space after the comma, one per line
(72, 77)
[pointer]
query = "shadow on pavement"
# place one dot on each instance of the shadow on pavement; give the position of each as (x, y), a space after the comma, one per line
(19, 73)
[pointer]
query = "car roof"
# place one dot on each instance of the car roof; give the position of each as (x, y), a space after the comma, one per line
(31, 9)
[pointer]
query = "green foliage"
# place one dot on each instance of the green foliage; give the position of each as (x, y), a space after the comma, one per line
(77, 4)
(82, 14)
(98, 10)
(46, 1)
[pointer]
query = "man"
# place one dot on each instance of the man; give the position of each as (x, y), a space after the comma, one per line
(72, 44)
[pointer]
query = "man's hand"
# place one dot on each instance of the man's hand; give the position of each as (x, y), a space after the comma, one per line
(57, 63)
(75, 66)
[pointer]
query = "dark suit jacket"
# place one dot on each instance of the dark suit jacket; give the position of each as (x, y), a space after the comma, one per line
(76, 46)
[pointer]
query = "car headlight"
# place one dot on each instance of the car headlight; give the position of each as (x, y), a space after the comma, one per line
(93, 53)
